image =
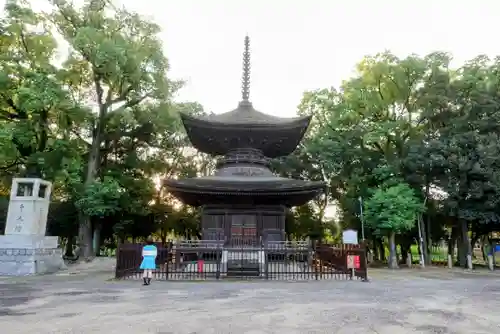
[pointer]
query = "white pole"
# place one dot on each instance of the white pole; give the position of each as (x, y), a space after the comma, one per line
(422, 262)
(421, 243)
(361, 217)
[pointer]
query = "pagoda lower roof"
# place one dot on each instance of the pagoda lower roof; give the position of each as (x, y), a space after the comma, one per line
(213, 189)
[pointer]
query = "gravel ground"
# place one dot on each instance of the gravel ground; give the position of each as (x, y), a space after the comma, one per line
(392, 305)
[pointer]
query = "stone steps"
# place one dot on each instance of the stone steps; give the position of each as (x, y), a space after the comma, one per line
(243, 269)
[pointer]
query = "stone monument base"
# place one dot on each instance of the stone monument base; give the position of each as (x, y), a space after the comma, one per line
(23, 255)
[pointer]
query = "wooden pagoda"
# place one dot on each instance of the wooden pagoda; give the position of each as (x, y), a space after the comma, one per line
(244, 203)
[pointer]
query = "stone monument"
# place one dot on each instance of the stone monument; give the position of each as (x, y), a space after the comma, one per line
(24, 249)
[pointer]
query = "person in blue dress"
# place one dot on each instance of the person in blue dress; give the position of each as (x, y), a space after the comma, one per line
(148, 264)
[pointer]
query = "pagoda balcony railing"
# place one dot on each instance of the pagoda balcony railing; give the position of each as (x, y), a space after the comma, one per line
(222, 244)
(244, 156)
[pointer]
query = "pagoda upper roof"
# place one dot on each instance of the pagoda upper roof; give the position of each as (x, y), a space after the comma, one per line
(245, 127)
(246, 115)
(212, 189)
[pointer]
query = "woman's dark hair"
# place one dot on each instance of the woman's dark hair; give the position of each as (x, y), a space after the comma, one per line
(150, 241)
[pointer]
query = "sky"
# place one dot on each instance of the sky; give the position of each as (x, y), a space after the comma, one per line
(304, 45)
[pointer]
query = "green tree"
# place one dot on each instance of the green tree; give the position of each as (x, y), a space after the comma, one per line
(374, 120)
(36, 110)
(464, 151)
(116, 57)
(390, 210)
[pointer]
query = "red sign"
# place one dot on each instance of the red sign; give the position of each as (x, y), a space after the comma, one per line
(200, 266)
(353, 262)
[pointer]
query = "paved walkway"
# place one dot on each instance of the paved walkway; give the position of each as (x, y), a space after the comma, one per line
(89, 304)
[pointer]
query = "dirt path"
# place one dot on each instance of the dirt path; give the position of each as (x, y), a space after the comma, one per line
(85, 304)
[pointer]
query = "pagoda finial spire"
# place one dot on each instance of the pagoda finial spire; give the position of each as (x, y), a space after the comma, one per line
(245, 80)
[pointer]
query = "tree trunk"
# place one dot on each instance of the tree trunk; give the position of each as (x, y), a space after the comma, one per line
(163, 236)
(68, 252)
(429, 237)
(485, 247)
(425, 245)
(85, 237)
(461, 256)
(392, 261)
(381, 248)
(85, 229)
(97, 238)
(405, 250)
(465, 245)
(474, 240)
(375, 250)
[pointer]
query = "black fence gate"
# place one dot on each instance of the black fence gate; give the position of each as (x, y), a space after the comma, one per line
(205, 260)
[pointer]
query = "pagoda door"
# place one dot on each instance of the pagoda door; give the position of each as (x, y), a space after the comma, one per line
(243, 231)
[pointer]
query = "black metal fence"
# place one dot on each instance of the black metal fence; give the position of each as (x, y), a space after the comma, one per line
(210, 260)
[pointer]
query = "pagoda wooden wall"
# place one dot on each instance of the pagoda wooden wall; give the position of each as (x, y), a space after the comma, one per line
(229, 223)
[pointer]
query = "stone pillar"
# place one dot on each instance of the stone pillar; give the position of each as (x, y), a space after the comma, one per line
(369, 257)
(409, 260)
(491, 263)
(469, 262)
(24, 249)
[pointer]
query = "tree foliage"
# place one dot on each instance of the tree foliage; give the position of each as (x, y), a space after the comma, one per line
(99, 123)
(431, 127)
(392, 209)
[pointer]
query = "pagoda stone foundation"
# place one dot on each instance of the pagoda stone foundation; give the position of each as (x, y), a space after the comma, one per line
(24, 249)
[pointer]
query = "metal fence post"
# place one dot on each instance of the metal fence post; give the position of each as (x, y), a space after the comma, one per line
(167, 262)
(117, 266)
(218, 257)
(266, 262)
(314, 252)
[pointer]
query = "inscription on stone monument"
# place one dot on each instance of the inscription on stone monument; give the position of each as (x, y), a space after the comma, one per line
(19, 220)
